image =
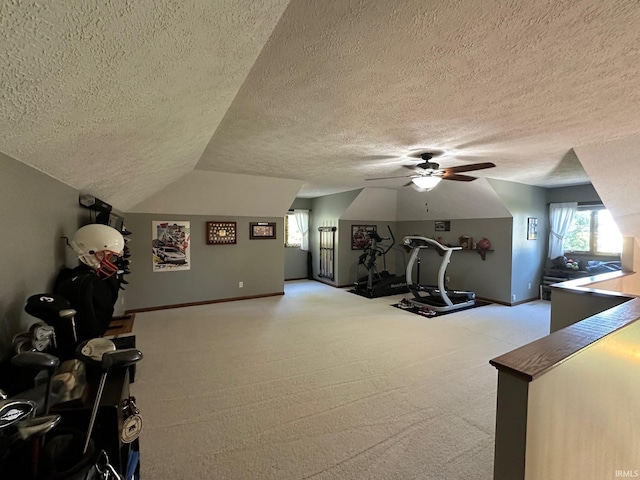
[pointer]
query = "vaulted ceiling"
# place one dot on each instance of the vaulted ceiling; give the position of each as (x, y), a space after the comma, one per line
(122, 99)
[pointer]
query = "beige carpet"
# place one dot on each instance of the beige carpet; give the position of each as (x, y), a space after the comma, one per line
(323, 384)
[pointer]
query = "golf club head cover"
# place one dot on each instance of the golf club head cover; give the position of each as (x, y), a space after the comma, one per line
(36, 360)
(46, 307)
(120, 358)
(102, 353)
(91, 351)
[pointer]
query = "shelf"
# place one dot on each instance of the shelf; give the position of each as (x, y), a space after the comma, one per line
(441, 252)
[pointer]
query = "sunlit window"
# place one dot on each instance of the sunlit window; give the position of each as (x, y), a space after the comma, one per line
(292, 234)
(593, 231)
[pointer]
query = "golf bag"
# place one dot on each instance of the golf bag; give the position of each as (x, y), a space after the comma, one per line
(62, 460)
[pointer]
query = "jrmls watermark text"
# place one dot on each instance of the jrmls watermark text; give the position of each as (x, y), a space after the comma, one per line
(627, 473)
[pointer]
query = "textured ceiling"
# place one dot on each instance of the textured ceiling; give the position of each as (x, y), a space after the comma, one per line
(344, 90)
(122, 98)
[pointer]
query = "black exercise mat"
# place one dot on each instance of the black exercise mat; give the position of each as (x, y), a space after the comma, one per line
(362, 293)
(416, 310)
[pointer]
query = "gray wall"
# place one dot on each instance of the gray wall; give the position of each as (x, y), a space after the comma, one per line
(528, 256)
(215, 270)
(489, 278)
(295, 263)
(326, 212)
(35, 211)
(577, 193)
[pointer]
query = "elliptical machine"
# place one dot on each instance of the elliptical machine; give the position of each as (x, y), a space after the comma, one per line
(378, 283)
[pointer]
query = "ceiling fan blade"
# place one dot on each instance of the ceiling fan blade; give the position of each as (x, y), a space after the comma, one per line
(408, 184)
(459, 178)
(468, 168)
(387, 178)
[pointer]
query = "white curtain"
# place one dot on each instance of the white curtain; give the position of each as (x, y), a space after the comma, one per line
(560, 216)
(302, 220)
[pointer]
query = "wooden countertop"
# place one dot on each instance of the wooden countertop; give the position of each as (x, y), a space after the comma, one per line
(536, 358)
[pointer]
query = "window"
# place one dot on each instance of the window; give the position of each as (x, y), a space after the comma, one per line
(292, 234)
(593, 231)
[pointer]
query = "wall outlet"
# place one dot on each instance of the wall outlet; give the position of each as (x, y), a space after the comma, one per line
(240, 284)
(529, 285)
(447, 278)
(513, 297)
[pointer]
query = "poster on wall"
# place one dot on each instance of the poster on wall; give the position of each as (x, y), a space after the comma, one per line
(360, 236)
(170, 246)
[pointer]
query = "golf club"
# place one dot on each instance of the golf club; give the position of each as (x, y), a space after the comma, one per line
(39, 361)
(69, 314)
(14, 410)
(88, 352)
(36, 426)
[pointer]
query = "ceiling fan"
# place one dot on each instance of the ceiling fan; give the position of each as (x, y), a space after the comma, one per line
(428, 174)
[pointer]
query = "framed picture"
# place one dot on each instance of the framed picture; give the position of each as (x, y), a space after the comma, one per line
(532, 228)
(262, 230)
(221, 233)
(443, 226)
(360, 236)
(171, 245)
(116, 221)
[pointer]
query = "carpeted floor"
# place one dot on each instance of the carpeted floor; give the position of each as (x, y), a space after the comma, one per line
(319, 384)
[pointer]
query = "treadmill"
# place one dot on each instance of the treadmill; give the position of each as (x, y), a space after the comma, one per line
(437, 298)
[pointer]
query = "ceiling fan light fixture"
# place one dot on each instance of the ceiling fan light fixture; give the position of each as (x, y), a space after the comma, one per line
(426, 183)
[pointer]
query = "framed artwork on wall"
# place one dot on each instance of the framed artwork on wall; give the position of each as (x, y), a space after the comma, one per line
(443, 226)
(170, 245)
(262, 230)
(532, 228)
(360, 236)
(221, 233)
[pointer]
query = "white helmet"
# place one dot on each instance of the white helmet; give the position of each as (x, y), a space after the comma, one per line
(95, 245)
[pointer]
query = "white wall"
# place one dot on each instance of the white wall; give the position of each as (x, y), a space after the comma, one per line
(613, 183)
(451, 200)
(211, 193)
(373, 204)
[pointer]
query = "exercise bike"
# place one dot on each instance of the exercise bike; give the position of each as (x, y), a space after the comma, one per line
(378, 283)
(437, 298)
